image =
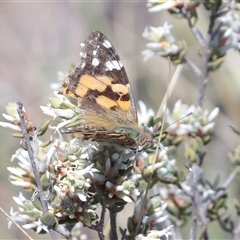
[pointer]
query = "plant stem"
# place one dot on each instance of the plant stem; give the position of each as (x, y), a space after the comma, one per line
(100, 225)
(33, 160)
(101, 222)
(113, 216)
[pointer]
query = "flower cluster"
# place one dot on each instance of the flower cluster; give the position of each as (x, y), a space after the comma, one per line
(230, 26)
(154, 214)
(12, 116)
(189, 121)
(223, 34)
(155, 234)
(28, 214)
(176, 7)
(162, 43)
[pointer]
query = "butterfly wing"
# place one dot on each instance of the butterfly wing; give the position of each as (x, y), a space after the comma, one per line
(101, 85)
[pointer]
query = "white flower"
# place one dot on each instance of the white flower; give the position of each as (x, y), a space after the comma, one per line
(144, 113)
(155, 234)
(11, 126)
(152, 7)
(159, 34)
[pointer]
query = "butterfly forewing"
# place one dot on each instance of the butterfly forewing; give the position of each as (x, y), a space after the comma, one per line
(100, 84)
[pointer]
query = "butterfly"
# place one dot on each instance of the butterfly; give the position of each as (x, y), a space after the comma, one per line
(101, 86)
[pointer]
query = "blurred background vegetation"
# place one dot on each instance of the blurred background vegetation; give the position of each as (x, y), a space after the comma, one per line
(39, 39)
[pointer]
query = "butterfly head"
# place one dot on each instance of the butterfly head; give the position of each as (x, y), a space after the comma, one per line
(145, 139)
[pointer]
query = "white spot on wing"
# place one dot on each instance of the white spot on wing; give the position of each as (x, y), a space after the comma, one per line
(94, 52)
(107, 44)
(120, 63)
(95, 62)
(83, 65)
(82, 44)
(83, 54)
(113, 65)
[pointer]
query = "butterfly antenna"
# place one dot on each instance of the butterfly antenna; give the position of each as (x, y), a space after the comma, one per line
(179, 119)
(159, 144)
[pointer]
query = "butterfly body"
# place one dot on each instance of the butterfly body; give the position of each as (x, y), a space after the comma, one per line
(100, 84)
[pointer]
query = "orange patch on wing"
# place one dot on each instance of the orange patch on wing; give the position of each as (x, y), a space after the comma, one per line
(120, 88)
(93, 83)
(105, 80)
(106, 102)
(81, 90)
(124, 105)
